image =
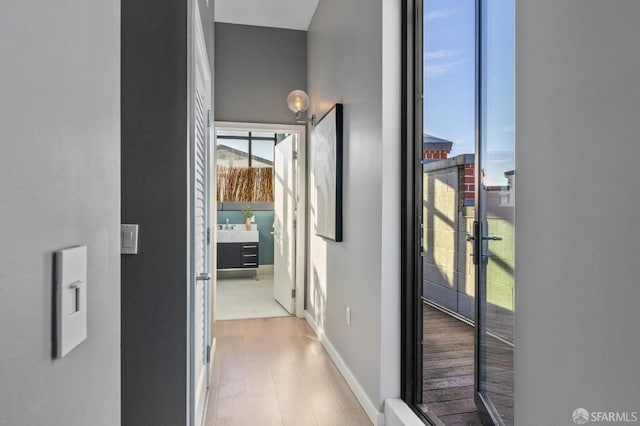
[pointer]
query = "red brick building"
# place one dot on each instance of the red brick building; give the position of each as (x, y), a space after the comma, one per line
(434, 148)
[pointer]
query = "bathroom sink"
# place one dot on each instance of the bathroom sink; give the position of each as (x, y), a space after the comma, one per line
(237, 234)
(236, 227)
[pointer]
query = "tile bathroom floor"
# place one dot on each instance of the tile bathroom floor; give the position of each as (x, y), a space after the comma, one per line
(241, 296)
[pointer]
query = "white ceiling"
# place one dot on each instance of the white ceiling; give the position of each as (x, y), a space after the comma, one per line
(292, 14)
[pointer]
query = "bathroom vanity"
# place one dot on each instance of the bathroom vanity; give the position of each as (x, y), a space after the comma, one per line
(238, 248)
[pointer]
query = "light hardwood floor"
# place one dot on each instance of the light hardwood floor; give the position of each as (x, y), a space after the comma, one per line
(274, 371)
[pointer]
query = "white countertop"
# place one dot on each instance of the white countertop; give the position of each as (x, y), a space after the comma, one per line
(238, 234)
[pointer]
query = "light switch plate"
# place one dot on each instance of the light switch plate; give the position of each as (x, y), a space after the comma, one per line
(128, 239)
(71, 299)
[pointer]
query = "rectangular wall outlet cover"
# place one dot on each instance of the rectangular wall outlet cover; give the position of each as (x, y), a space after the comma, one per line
(70, 283)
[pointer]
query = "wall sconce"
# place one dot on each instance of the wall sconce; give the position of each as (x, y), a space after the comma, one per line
(298, 102)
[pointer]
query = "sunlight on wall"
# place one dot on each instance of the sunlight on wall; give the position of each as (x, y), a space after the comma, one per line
(317, 291)
(500, 278)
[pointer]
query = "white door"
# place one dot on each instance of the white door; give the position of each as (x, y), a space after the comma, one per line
(200, 205)
(284, 260)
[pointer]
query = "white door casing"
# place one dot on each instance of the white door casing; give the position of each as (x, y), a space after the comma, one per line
(284, 239)
(301, 196)
(200, 208)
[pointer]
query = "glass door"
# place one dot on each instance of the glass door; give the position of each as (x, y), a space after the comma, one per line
(494, 226)
(448, 210)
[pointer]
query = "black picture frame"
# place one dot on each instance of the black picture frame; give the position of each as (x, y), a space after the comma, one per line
(327, 142)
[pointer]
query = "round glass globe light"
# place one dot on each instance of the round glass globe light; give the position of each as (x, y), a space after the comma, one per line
(298, 101)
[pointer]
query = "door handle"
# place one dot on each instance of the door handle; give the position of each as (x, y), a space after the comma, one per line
(476, 246)
(203, 277)
(491, 238)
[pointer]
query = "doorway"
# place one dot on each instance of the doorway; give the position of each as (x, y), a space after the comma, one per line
(259, 230)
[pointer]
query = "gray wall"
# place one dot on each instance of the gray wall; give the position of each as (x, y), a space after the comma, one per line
(578, 212)
(60, 186)
(256, 68)
(350, 63)
(155, 195)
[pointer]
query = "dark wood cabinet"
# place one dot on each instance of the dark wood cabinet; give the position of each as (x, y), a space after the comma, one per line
(238, 255)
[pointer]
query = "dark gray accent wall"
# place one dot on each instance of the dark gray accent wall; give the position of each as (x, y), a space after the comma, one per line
(59, 187)
(256, 68)
(155, 196)
(577, 209)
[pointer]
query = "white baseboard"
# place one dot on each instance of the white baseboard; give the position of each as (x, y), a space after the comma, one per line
(371, 409)
(212, 354)
(209, 391)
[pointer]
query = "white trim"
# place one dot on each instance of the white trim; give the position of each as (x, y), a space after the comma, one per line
(398, 413)
(301, 222)
(198, 68)
(301, 225)
(370, 408)
(212, 354)
(233, 125)
(209, 391)
(206, 406)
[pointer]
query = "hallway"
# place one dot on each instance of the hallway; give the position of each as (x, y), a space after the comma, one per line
(274, 371)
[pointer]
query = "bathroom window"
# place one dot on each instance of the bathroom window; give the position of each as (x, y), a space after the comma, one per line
(233, 153)
(245, 166)
(262, 153)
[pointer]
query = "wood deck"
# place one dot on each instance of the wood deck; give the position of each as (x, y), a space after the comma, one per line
(498, 376)
(448, 368)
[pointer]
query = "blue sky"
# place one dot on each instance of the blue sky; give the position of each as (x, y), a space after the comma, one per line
(449, 79)
(263, 149)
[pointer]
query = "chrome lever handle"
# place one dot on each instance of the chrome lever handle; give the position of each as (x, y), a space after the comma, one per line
(203, 277)
(491, 238)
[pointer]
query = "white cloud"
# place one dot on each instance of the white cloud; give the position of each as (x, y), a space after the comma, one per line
(438, 14)
(435, 70)
(439, 54)
(436, 64)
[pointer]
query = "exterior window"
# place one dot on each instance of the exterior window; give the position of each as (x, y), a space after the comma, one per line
(458, 230)
(245, 166)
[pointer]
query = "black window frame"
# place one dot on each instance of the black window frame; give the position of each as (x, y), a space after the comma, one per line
(411, 169)
(254, 205)
(249, 138)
